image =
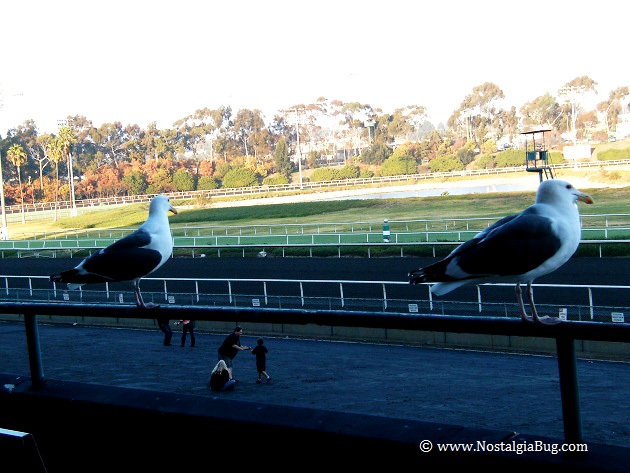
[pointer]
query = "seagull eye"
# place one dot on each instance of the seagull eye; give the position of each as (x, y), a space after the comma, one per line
(569, 186)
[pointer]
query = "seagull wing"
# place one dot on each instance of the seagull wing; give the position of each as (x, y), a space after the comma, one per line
(124, 260)
(512, 246)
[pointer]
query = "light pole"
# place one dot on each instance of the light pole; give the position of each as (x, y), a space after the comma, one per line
(571, 95)
(71, 175)
(299, 153)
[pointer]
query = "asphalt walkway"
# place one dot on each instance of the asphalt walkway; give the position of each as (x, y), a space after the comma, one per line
(475, 389)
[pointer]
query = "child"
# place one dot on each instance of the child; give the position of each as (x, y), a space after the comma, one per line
(260, 350)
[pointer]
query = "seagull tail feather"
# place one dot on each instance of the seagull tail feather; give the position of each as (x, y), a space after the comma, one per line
(432, 273)
(417, 276)
(71, 277)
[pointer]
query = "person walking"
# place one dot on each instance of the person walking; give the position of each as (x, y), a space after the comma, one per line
(260, 350)
(230, 348)
(165, 327)
(188, 326)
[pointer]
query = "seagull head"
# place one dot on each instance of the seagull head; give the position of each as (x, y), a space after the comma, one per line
(556, 190)
(161, 203)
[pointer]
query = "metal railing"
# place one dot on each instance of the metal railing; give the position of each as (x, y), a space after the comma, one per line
(248, 246)
(601, 226)
(601, 303)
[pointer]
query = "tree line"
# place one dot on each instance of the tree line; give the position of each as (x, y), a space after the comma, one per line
(218, 148)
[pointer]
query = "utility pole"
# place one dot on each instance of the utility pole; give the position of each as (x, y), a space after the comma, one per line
(297, 132)
(571, 95)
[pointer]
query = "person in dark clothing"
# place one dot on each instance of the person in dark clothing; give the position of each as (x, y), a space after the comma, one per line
(220, 378)
(230, 348)
(165, 327)
(260, 350)
(188, 327)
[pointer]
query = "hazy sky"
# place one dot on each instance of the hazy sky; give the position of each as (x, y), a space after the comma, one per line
(139, 61)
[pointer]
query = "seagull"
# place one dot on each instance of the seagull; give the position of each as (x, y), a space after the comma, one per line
(131, 258)
(518, 248)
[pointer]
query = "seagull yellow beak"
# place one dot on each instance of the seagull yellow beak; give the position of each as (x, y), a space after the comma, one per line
(585, 198)
(173, 209)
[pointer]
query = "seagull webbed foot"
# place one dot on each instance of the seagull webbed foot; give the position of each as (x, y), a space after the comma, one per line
(526, 318)
(547, 320)
(149, 305)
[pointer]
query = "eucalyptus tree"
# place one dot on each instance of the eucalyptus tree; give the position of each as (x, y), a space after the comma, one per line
(322, 126)
(296, 133)
(573, 93)
(192, 132)
(478, 110)
(311, 121)
(205, 127)
(132, 147)
(407, 122)
(220, 121)
(353, 116)
(158, 144)
(110, 139)
(612, 107)
(399, 126)
(505, 122)
(149, 142)
(86, 154)
(543, 111)
(249, 126)
(322, 132)
(41, 156)
(170, 144)
(262, 141)
(18, 157)
(458, 123)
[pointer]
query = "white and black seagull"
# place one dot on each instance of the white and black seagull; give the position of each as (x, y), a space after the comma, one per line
(131, 258)
(518, 248)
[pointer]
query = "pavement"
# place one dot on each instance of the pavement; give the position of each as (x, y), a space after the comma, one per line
(476, 389)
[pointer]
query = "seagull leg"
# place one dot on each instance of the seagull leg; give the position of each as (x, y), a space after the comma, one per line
(542, 320)
(139, 301)
(519, 298)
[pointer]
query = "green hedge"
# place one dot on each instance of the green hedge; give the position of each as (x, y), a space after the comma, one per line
(614, 154)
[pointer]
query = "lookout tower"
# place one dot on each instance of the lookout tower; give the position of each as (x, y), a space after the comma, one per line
(536, 154)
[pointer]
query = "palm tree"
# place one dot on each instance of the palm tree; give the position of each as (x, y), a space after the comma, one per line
(55, 154)
(65, 140)
(18, 157)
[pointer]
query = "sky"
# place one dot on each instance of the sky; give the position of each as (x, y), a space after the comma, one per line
(138, 61)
